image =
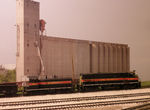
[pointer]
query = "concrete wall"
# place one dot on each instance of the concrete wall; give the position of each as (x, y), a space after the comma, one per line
(31, 35)
(110, 57)
(61, 55)
(27, 35)
(20, 40)
(87, 56)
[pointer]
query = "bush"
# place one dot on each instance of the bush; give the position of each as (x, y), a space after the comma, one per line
(146, 84)
(9, 77)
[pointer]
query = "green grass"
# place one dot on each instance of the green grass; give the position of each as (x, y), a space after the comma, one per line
(145, 84)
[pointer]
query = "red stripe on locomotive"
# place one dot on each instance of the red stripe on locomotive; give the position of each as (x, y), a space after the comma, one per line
(33, 84)
(56, 82)
(47, 83)
(108, 79)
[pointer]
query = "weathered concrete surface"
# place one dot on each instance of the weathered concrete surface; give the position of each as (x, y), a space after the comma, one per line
(27, 34)
(61, 55)
(87, 56)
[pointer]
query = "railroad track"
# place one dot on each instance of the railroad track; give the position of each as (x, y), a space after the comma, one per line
(77, 99)
(85, 105)
(140, 107)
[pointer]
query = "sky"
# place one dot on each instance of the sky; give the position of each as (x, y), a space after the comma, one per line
(117, 21)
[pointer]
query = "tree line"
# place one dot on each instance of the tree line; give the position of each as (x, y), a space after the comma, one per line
(9, 76)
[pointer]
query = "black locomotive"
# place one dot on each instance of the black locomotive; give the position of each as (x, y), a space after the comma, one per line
(85, 82)
(109, 81)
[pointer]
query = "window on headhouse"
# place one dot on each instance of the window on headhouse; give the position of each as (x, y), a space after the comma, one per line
(27, 27)
(27, 44)
(27, 24)
(27, 70)
(35, 25)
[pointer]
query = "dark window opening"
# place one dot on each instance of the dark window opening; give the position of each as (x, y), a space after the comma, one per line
(27, 44)
(35, 25)
(27, 70)
(27, 24)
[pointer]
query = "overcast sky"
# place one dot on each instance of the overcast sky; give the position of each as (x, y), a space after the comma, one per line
(117, 21)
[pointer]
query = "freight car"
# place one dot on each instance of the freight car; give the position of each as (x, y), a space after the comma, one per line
(9, 89)
(96, 81)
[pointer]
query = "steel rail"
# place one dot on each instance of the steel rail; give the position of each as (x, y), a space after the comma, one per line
(83, 105)
(19, 103)
(140, 107)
